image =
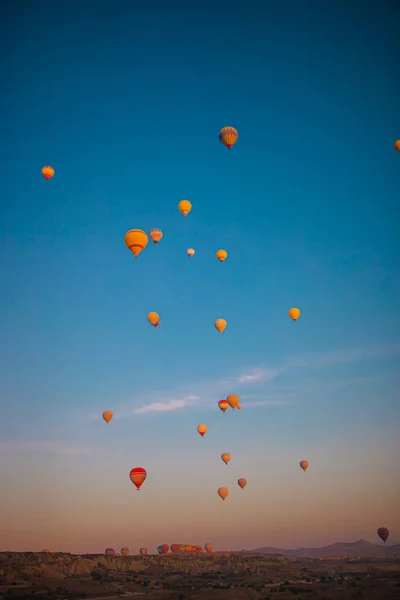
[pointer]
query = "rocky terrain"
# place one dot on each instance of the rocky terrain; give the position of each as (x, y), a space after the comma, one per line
(339, 549)
(45, 576)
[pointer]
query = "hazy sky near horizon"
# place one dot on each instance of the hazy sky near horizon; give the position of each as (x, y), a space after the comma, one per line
(125, 100)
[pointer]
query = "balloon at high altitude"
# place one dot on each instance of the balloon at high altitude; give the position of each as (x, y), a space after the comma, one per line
(48, 172)
(220, 325)
(233, 400)
(304, 465)
(125, 551)
(221, 255)
(223, 405)
(294, 313)
(185, 207)
(156, 235)
(107, 415)
(136, 240)
(109, 551)
(202, 429)
(226, 457)
(190, 252)
(154, 319)
(228, 136)
(383, 533)
(138, 476)
(397, 145)
(143, 551)
(222, 492)
(242, 482)
(208, 547)
(239, 406)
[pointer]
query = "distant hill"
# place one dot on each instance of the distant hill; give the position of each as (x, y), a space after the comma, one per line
(360, 548)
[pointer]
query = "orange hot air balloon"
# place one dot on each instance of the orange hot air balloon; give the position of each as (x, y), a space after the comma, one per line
(109, 551)
(221, 255)
(233, 400)
(48, 172)
(220, 325)
(304, 465)
(47, 550)
(107, 415)
(383, 533)
(154, 319)
(190, 252)
(397, 145)
(202, 429)
(138, 476)
(185, 207)
(125, 551)
(294, 313)
(226, 457)
(156, 235)
(143, 551)
(222, 492)
(228, 136)
(223, 405)
(239, 406)
(136, 240)
(208, 547)
(242, 482)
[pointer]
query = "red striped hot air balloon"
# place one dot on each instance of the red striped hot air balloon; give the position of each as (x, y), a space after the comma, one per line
(383, 533)
(175, 548)
(163, 549)
(138, 476)
(109, 551)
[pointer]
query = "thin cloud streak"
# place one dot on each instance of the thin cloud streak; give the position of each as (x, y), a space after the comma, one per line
(168, 405)
(259, 374)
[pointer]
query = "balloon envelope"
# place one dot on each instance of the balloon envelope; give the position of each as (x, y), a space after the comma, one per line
(221, 255)
(125, 551)
(220, 325)
(202, 429)
(185, 207)
(156, 235)
(143, 551)
(226, 457)
(233, 400)
(228, 136)
(397, 145)
(136, 240)
(383, 533)
(154, 319)
(242, 482)
(294, 313)
(223, 405)
(107, 415)
(208, 547)
(138, 476)
(190, 252)
(48, 172)
(222, 492)
(304, 465)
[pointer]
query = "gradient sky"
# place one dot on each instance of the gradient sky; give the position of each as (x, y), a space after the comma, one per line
(125, 100)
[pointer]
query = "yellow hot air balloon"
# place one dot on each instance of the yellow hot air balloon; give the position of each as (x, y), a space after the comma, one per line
(239, 406)
(222, 492)
(228, 136)
(185, 207)
(233, 400)
(220, 325)
(294, 313)
(221, 255)
(202, 429)
(107, 415)
(48, 172)
(226, 457)
(242, 482)
(397, 145)
(154, 319)
(156, 235)
(136, 240)
(304, 465)
(190, 252)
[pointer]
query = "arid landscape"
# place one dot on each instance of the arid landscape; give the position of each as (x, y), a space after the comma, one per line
(238, 575)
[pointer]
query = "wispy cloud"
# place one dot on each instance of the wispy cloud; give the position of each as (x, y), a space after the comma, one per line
(42, 446)
(167, 405)
(259, 374)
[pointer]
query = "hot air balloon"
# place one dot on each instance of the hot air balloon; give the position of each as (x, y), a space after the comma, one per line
(226, 457)
(109, 551)
(228, 136)
(397, 145)
(125, 551)
(383, 533)
(223, 405)
(220, 325)
(156, 235)
(174, 548)
(143, 551)
(208, 547)
(221, 255)
(294, 313)
(138, 476)
(222, 492)
(239, 406)
(154, 319)
(304, 465)
(163, 549)
(185, 207)
(202, 429)
(47, 550)
(48, 172)
(107, 415)
(136, 240)
(190, 252)
(233, 400)
(242, 482)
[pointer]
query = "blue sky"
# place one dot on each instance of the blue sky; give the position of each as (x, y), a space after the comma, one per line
(125, 101)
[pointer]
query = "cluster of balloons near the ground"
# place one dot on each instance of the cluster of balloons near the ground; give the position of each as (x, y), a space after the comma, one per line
(136, 240)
